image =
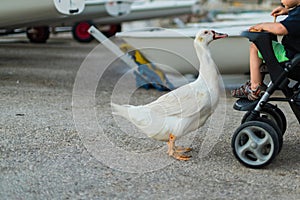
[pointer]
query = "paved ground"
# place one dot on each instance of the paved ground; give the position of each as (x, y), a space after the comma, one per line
(49, 149)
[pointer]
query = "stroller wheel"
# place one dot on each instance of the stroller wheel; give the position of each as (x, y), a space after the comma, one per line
(255, 144)
(272, 113)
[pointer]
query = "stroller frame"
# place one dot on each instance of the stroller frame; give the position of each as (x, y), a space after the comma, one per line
(258, 140)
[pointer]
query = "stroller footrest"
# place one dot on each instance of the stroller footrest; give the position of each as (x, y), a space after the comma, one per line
(244, 105)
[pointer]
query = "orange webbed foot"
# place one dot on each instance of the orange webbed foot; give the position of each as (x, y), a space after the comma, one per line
(183, 149)
(177, 152)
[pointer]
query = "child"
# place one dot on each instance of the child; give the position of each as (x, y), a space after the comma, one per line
(290, 28)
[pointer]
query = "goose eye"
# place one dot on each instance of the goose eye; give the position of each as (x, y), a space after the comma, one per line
(205, 32)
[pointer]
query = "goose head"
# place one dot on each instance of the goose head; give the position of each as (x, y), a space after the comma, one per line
(206, 36)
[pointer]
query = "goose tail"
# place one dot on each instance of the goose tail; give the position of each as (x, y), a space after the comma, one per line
(121, 110)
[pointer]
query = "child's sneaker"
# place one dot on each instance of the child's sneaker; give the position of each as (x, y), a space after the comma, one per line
(245, 91)
(241, 92)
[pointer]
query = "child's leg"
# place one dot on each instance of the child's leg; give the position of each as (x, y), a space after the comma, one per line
(255, 63)
(255, 88)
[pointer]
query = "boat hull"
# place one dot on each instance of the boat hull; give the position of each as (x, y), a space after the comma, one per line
(153, 9)
(16, 14)
(174, 52)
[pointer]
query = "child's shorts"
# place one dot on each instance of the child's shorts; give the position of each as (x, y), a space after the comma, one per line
(279, 52)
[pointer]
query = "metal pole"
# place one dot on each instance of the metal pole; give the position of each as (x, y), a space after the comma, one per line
(112, 47)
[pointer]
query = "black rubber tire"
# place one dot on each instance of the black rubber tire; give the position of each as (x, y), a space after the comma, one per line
(113, 29)
(270, 110)
(38, 34)
(276, 128)
(244, 144)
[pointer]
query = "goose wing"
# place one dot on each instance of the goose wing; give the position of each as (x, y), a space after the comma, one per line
(182, 102)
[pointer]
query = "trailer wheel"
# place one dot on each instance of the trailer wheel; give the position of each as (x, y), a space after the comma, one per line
(80, 31)
(38, 34)
(112, 30)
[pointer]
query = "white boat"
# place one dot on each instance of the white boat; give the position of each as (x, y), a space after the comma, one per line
(172, 49)
(96, 13)
(154, 9)
(16, 14)
(36, 15)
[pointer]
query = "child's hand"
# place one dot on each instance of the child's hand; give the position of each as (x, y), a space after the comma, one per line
(256, 28)
(279, 11)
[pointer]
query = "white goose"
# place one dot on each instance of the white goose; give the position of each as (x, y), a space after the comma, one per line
(182, 110)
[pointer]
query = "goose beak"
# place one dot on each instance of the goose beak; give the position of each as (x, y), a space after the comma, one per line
(219, 35)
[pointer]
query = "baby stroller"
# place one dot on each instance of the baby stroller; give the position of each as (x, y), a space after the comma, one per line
(259, 138)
